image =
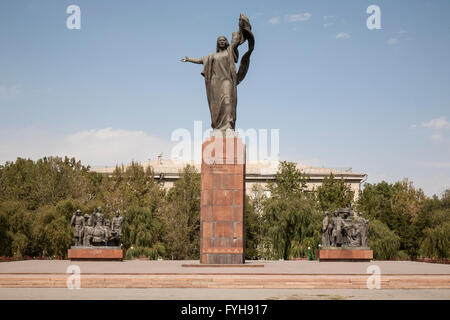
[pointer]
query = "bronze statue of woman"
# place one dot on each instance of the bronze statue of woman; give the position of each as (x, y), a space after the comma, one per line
(221, 79)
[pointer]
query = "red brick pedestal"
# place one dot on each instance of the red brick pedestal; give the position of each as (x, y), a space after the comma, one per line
(95, 254)
(346, 254)
(222, 201)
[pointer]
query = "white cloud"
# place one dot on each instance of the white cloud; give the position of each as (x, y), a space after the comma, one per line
(342, 35)
(436, 137)
(97, 147)
(256, 15)
(313, 162)
(438, 164)
(7, 92)
(274, 20)
(400, 35)
(298, 17)
(436, 124)
(328, 21)
(392, 41)
(291, 18)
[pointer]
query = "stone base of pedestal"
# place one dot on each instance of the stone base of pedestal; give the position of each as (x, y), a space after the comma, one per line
(345, 254)
(222, 201)
(95, 254)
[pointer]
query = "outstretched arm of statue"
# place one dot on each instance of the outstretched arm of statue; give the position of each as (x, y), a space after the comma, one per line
(192, 60)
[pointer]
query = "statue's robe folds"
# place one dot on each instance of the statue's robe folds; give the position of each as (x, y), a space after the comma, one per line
(221, 80)
(221, 87)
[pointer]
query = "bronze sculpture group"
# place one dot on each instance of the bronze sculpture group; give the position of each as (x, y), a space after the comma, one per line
(96, 230)
(345, 229)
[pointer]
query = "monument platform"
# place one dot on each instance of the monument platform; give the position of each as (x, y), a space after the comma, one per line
(95, 254)
(274, 274)
(345, 254)
(222, 200)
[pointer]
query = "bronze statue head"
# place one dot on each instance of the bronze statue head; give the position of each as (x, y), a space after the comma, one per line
(222, 43)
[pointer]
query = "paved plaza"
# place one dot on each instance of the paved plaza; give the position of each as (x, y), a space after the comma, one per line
(176, 267)
(143, 279)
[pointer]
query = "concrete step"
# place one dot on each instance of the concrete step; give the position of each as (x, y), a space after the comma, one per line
(225, 281)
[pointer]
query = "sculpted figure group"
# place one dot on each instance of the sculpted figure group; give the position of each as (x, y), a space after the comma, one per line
(345, 229)
(96, 230)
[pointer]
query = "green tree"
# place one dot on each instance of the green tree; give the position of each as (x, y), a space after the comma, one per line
(400, 206)
(17, 180)
(46, 181)
(20, 227)
(256, 227)
(12, 220)
(52, 233)
(252, 223)
(375, 202)
(143, 229)
(133, 186)
(407, 204)
(289, 182)
(384, 242)
(436, 242)
(446, 199)
(5, 236)
(181, 215)
(334, 193)
(19, 244)
(292, 222)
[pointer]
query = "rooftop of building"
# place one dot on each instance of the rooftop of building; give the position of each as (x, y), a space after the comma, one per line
(259, 168)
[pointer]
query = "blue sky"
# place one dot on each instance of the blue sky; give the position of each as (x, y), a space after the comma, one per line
(341, 95)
